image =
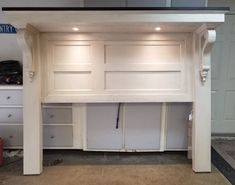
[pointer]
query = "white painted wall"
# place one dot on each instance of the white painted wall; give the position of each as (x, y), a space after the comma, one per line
(9, 48)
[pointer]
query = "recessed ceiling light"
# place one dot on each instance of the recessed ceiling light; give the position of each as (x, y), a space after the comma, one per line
(75, 29)
(158, 28)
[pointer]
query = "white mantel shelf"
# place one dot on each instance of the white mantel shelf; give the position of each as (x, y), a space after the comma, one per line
(116, 56)
(61, 19)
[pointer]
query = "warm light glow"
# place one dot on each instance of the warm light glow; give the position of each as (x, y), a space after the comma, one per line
(75, 29)
(158, 28)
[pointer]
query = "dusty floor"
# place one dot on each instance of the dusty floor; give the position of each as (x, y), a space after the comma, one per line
(82, 168)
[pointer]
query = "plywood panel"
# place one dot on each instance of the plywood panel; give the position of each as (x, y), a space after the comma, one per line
(142, 53)
(177, 125)
(142, 80)
(73, 81)
(142, 126)
(101, 127)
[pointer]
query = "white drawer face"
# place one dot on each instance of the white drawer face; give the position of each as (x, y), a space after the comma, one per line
(57, 115)
(58, 136)
(11, 115)
(11, 97)
(12, 135)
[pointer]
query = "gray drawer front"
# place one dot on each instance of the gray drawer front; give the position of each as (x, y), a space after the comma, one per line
(12, 135)
(11, 97)
(57, 115)
(58, 136)
(11, 115)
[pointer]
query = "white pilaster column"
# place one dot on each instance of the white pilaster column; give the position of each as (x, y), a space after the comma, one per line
(201, 131)
(28, 40)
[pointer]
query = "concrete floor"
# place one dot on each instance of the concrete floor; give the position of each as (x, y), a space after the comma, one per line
(86, 168)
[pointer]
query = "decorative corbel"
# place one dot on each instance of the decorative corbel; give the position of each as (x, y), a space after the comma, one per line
(208, 40)
(26, 39)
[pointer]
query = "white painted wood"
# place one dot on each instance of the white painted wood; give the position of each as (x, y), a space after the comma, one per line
(10, 97)
(78, 123)
(70, 54)
(143, 52)
(146, 81)
(11, 115)
(57, 136)
(142, 126)
(12, 135)
(177, 125)
(201, 136)
(194, 84)
(28, 39)
(164, 112)
(101, 127)
(47, 21)
(113, 69)
(80, 81)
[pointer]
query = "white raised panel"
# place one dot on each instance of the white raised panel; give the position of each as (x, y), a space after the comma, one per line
(142, 80)
(142, 53)
(142, 126)
(79, 81)
(71, 54)
(101, 127)
(120, 65)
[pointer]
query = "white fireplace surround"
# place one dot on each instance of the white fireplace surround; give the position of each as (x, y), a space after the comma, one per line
(116, 56)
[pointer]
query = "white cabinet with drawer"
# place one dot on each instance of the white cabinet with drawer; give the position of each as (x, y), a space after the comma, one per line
(58, 126)
(11, 116)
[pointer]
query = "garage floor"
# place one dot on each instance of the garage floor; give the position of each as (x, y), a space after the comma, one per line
(88, 168)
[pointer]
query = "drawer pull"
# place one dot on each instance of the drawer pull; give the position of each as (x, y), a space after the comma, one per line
(9, 116)
(8, 97)
(52, 116)
(52, 137)
(10, 137)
